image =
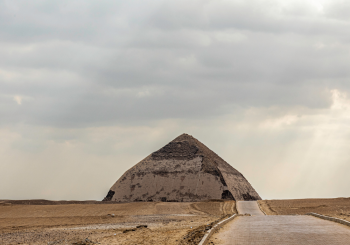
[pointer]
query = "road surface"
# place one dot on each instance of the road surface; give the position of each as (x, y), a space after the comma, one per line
(251, 208)
(260, 229)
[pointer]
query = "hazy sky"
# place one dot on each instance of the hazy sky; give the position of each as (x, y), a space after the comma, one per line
(89, 88)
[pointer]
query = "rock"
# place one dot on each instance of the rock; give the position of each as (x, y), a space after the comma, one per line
(141, 226)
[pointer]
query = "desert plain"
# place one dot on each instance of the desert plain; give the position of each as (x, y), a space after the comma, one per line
(334, 207)
(92, 222)
(45, 222)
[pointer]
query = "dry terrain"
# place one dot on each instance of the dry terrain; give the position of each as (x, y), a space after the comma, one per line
(335, 207)
(45, 222)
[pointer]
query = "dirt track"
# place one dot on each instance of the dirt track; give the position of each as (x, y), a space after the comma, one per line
(167, 223)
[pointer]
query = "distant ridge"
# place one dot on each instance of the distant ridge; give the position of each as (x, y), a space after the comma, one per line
(184, 170)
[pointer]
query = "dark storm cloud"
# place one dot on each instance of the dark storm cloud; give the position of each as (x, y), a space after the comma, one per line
(87, 63)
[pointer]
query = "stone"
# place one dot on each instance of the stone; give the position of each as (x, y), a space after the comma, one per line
(184, 170)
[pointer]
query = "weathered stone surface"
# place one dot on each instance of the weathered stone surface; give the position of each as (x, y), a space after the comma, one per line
(183, 170)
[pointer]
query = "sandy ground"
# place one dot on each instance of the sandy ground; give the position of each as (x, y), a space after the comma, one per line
(100, 223)
(336, 207)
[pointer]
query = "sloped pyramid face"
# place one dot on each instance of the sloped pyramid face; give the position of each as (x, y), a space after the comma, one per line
(184, 170)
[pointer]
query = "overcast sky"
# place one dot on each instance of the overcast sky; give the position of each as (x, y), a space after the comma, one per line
(90, 88)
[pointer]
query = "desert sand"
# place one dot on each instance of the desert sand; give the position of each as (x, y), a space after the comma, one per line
(108, 223)
(50, 222)
(335, 207)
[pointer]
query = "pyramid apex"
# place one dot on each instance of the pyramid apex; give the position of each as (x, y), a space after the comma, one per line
(184, 136)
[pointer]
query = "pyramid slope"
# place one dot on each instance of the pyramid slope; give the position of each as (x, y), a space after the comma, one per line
(183, 170)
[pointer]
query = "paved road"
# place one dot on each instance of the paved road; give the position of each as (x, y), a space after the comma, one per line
(280, 230)
(249, 208)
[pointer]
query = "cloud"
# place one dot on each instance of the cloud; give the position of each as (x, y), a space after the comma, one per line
(284, 152)
(168, 68)
(18, 99)
(337, 10)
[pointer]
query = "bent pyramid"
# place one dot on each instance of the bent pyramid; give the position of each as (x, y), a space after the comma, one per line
(183, 170)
